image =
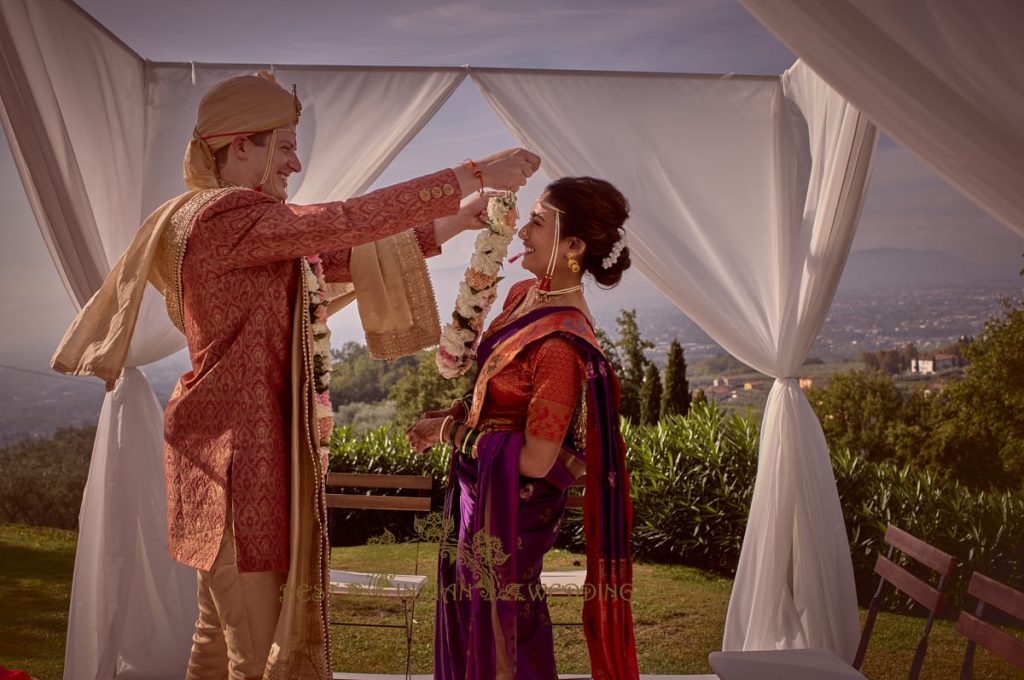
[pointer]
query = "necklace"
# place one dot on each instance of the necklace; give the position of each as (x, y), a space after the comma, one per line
(546, 295)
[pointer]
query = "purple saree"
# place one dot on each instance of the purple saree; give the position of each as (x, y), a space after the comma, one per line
(492, 616)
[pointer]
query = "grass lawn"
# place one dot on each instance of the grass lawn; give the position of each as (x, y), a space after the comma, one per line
(679, 615)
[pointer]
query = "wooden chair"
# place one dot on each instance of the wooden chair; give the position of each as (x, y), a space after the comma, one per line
(918, 590)
(406, 588)
(978, 632)
(819, 664)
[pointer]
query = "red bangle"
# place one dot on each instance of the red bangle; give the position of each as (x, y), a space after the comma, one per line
(476, 173)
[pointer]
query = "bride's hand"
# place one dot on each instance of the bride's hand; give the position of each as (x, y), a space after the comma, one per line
(472, 215)
(424, 433)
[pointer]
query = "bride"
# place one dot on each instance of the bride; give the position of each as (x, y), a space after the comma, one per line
(544, 411)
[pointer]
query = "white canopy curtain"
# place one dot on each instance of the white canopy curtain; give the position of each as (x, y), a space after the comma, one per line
(945, 79)
(98, 134)
(745, 196)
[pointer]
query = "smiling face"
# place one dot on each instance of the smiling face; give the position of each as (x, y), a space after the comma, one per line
(537, 236)
(284, 162)
(246, 161)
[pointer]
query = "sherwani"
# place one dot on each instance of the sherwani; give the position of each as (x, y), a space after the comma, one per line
(226, 423)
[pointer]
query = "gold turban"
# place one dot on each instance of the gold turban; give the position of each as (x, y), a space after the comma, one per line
(238, 106)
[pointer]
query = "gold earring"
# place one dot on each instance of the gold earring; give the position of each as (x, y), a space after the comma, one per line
(574, 266)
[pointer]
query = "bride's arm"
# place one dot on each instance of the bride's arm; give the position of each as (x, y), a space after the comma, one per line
(557, 385)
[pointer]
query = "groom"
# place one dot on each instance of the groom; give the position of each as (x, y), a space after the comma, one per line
(244, 481)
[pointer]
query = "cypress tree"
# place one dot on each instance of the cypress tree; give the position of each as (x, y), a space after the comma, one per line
(675, 397)
(634, 362)
(650, 396)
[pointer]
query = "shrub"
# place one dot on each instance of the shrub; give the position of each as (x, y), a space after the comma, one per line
(43, 479)
(692, 480)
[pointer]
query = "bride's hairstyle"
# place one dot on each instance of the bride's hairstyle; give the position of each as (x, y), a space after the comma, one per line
(594, 212)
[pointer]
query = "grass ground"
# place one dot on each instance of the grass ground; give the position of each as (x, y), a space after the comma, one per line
(679, 614)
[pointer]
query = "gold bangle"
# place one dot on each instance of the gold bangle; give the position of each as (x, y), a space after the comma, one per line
(440, 435)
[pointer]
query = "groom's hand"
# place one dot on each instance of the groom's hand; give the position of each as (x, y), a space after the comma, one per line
(507, 170)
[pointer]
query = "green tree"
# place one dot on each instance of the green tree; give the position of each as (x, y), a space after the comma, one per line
(979, 427)
(423, 389)
(650, 396)
(611, 352)
(675, 397)
(634, 362)
(867, 413)
(356, 377)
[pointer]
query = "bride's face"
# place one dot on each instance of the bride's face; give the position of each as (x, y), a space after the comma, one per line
(537, 236)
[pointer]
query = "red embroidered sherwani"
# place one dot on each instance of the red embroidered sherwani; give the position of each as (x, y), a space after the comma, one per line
(228, 416)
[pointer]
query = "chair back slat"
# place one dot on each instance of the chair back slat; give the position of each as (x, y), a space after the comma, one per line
(927, 555)
(361, 502)
(991, 638)
(998, 595)
(365, 481)
(910, 585)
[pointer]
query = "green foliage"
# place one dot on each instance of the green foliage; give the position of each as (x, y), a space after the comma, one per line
(675, 397)
(423, 389)
(982, 530)
(611, 352)
(692, 481)
(363, 417)
(979, 427)
(650, 396)
(43, 479)
(868, 414)
(721, 364)
(356, 377)
(634, 362)
(971, 432)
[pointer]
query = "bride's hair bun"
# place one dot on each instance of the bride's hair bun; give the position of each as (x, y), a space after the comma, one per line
(594, 212)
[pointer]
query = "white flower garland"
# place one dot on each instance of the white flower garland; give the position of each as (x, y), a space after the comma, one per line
(477, 291)
(313, 269)
(613, 255)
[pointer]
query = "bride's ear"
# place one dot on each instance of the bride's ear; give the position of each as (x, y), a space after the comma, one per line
(577, 247)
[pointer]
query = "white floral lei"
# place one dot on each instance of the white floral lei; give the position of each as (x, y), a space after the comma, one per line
(478, 290)
(313, 269)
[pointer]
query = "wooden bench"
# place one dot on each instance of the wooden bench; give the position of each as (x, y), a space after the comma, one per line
(405, 588)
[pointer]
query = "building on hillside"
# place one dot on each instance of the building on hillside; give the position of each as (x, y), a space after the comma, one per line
(720, 382)
(806, 383)
(934, 363)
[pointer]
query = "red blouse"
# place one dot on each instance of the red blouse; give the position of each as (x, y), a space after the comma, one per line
(537, 391)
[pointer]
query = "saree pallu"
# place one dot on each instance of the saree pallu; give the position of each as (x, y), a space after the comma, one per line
(492, 618)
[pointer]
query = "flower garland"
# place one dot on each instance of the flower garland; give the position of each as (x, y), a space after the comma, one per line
(478, 290)
(313, 268)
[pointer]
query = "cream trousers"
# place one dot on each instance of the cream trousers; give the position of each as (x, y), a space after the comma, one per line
(237, 616)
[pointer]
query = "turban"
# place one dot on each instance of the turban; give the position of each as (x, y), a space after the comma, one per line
(243, 105)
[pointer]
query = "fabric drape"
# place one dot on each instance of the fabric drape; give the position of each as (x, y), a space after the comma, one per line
(944, 79)
(745, 194)
(98, 136)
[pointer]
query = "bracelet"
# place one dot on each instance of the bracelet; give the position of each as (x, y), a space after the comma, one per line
(440, 435)
(452, 433)
(477, 172)
(461, 402)
(471, 441)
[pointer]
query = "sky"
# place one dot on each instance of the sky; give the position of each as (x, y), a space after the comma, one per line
(907, 206)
